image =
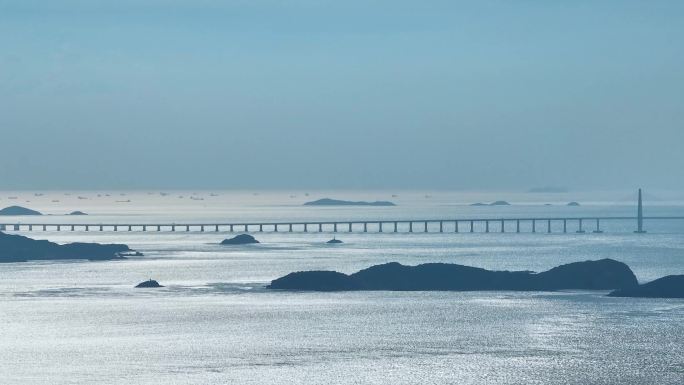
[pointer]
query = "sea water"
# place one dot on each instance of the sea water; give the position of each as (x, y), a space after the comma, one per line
(77, 322)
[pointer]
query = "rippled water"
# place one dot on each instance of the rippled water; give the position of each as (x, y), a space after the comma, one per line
(214, 323)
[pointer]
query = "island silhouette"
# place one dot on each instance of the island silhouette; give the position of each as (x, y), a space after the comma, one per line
(337, 202)
(18, 210)
(242, 239)
(604, 274)
(671, 286)
(17, 248)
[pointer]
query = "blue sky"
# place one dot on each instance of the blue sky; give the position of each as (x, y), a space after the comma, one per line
(356, 94)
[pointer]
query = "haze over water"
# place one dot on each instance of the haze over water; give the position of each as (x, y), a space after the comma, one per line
(215, 323)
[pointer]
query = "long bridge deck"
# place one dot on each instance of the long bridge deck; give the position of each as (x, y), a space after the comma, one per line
(516, 225)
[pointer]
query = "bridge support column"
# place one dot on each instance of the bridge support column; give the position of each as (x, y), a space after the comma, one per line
(30, 227)
(598, 227)
(187, 228)
(380, 227)
(275, 228)
(144, 228)
(202, 228)
(59, 228)
(320, 227)
(16, 227)
(517, 225)
(365, 227)
(335, 227)
(261, 228)
(455, 226)
(3, 228)
(580, 231)
(395, 227)
(306, 228)
(246, 228)
(410, 227)
(130, 228)
(425, 230)
(548, 226)
(290, 227)
(486, 226)
(231, 228)
(534, 226)
(173, 227)
(102, 226)
(350, 227)
(565, 226)
(441, 226)
(503, 226)
(44, 227)
(472, 227)
(216, 228)
(158, 228)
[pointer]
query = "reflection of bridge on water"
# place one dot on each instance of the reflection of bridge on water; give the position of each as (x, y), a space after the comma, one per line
(470, 225)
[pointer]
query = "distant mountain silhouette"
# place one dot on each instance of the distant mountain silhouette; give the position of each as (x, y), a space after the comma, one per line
(603, 274)
(77, 213)
(573, 204)
(242, 239)
(336, 202)
(151, 283)
(18, 210)
(671, 286)
(17, 248)
(497, 203)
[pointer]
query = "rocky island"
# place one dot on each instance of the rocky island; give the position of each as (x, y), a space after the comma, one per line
(242, 239)
(336, 202)
(497, 203)
(604, 274)
(150, 283)
(671, 286)
(18, 210)
(17, 248)
(77, 213)
(334, 241)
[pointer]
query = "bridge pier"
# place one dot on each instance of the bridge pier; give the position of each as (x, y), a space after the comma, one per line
(350, 227)
(216, 228)
(306, 230)
(503, 226)
(410, 227)
(231, 228)
(290, 227)
(335, 227)
(455, 226)
(380, 227)
(261, 228)
(365, 227)
(580, 231)
(565, 226)
(3, 228)
(395, 227)
(16, 227)
(103, 226)
(158, 228)
(246, 228)
(534, 226)
(598, 227)
(486, 226)
(275, 228)
(472, 227)
(30, 227)
(425, 229)
(441, 226)
(130, 228)
(517, 226)
(548, 226)
(187, 228)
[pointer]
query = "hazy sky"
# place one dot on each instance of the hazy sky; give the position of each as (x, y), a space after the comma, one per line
(341, 94)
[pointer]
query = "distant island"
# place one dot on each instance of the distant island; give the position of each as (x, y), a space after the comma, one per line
(496, 203)
(17, 248)
(150, 283)
(77, 213)
(18, 210)
(671, 286)
(573, 204)
(242, 239)
(336, 202)
(604, 274)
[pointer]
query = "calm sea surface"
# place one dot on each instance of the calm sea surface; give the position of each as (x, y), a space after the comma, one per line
(215, 323)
